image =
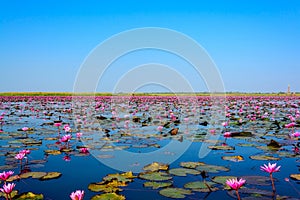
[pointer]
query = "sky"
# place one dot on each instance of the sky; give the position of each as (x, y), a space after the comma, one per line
(255, 44)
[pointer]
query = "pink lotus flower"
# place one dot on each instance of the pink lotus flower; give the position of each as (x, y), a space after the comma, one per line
(78, 135)
(67, 158)
(77, 195)
(5, 175)
(212, 131)
(235, 184)
(186, 120)
(160, 128)
(227, 134)
(296, 134)
(57, 124)
(270, 168)
(67, 128)
(66, 138)
(20, 156)
(225, 124)
(7, 188)
(84, 150)
(25, 129)
(25, 151)
(290, 125)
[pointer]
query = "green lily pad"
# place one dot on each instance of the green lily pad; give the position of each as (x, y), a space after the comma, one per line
(201, 186)
(212, 168)
(257, 180)
(220, 147)
(52, 152)
(108, 196)
(183, 171)
(157, 185)
(222, 179)
(191, 165)
(13, 178)
(107, 186)
(295, 176)
(264, 157)
(51, 175)
(124, 177)
(175, 193)
(155, 176)
(33, 174)
(233, 158)
(155, 166)
(29, 196)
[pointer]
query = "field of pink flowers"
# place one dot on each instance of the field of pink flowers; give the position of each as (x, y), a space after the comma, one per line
(160, 147)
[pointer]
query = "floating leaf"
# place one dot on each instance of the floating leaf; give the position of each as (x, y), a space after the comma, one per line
(155, 176)
(176, 193)
(191, 165)
(155, 166)
(52, 152)
(156, 185)
(13, 178)
(29, 196)
(124, 177)
(222, 179)
(220, 147)
(183, 171)
(33, 174)
(233, 158)
(241, 134)
(107, 186)
(51, 175)
(257, 180)
(212, 168)
(274, 144)
(295, 176)
(108, 196)
(264, 157)
(201, 186)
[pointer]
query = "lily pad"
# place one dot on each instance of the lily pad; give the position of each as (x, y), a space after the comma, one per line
(124, 177)
(191, 165)
(52, 152)
(257, 180)
(108, 196)
(156, 185)
(33, 174)
(51, 175)
(175, 193)
(233, 158)
(264, 157)
(155, 166)
(295, 176)
(183, 171)
(29, 195)
(201, 186)
(107, 186)
(212, 168)
(155, 176)
(220, 147)
(222, 179)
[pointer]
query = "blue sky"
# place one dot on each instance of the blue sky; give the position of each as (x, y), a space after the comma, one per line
(255, 44)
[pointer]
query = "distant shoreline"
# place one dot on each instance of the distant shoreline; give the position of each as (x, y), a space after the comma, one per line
(143, 94)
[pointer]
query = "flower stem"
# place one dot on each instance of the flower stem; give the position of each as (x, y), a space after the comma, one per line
(237, 194)
(210, 190)
(273, 185)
